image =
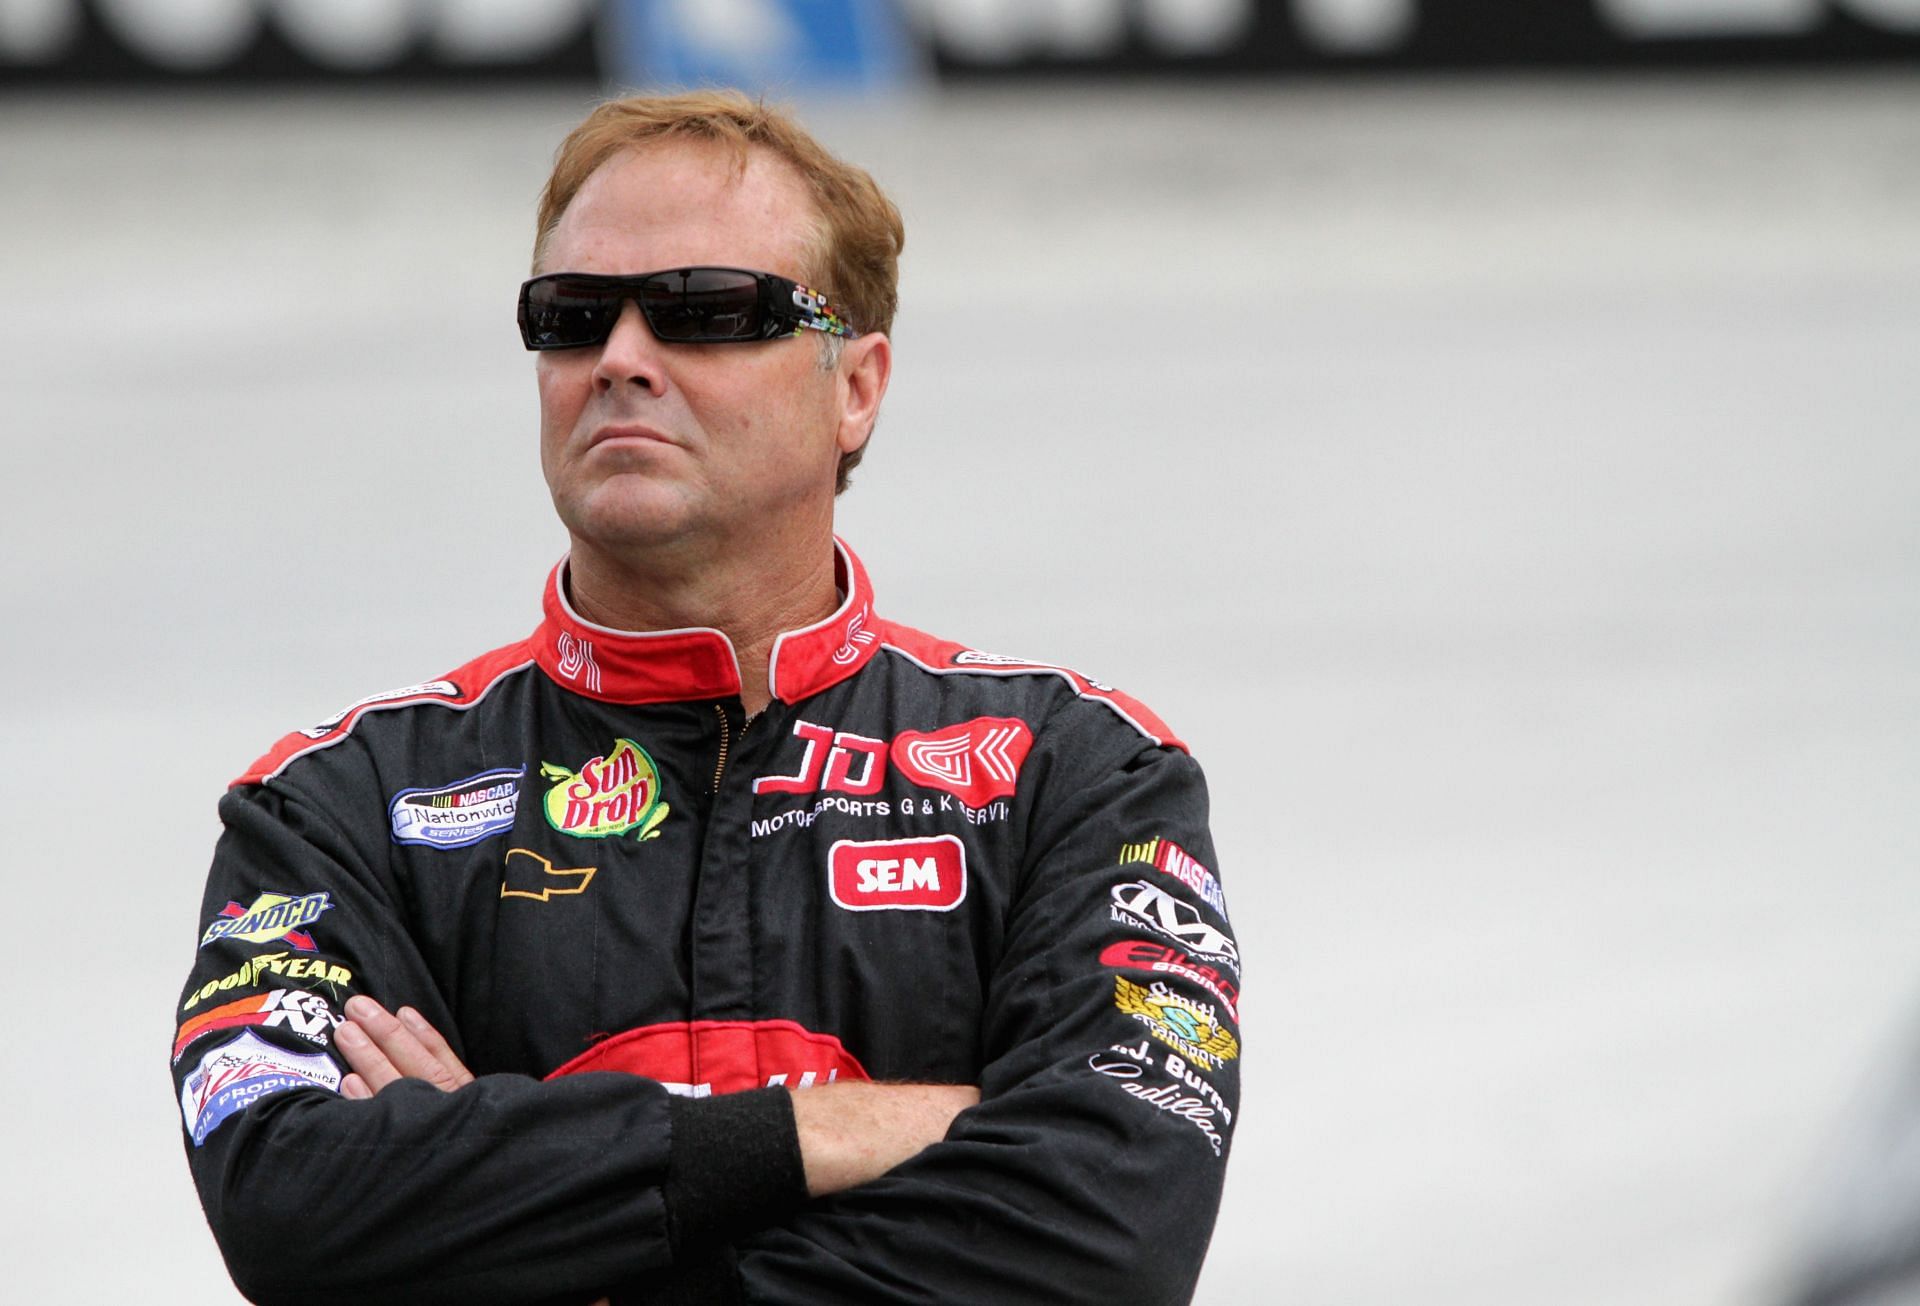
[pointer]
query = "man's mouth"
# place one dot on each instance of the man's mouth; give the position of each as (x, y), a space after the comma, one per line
(627, 433)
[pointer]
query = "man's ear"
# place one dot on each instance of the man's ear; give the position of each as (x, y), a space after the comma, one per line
(866, 365)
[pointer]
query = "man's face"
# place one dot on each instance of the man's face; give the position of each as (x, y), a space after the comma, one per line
(646, 443)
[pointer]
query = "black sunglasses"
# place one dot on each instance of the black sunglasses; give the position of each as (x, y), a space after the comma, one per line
(688, 306)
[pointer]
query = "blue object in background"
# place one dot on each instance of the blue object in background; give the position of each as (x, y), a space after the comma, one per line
(772, 46)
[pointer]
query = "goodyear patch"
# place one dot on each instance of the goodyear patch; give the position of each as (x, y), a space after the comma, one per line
(309, 970)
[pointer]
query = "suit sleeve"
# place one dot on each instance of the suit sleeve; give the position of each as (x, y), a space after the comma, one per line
(1091, 1170)
(508, 1190)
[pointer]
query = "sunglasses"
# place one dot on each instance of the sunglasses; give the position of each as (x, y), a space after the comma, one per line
(688, 306)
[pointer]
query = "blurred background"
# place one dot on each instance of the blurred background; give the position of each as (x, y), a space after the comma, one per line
(1484, 430)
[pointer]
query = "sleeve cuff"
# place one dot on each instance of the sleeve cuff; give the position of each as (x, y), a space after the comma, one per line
(733, 1168)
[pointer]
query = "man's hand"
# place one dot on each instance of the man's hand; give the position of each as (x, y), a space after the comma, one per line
(852, 1132)
(382, 1048)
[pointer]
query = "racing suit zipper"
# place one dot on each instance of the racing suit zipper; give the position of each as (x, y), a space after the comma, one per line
(726, 735)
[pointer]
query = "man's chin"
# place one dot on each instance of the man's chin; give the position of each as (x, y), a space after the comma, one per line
(627, 519)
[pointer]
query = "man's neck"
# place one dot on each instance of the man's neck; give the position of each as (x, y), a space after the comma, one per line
(749, 597)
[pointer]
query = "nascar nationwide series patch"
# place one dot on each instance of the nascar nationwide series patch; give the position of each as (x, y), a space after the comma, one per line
(455, 815)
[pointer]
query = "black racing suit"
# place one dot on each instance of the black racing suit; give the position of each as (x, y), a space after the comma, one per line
(575, 856)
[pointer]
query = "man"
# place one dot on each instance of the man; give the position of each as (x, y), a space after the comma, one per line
(721, 940)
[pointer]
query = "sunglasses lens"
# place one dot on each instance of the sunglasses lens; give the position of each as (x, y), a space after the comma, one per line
(703, 304)
(565, 312)
(568, 310)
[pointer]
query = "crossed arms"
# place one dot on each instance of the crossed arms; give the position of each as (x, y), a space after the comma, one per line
(848, 1133)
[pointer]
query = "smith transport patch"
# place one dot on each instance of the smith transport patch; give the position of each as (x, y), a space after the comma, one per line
(458, 814)
(1188, 1027)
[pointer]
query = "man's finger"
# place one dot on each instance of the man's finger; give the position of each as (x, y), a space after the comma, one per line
(432, 1040)
(397, 1045)
(369, 1063)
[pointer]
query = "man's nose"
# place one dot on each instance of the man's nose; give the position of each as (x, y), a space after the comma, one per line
(630, 356)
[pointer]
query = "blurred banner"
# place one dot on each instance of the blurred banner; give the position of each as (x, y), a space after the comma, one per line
(792, 45)
(801, 45)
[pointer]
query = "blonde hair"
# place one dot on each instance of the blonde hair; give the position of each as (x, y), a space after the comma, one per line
(855, 234)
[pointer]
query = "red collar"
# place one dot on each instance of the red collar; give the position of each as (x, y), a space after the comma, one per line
(665, 666)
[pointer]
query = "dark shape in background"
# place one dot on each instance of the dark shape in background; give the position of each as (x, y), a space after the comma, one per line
(606, 43)
(1862, 1243)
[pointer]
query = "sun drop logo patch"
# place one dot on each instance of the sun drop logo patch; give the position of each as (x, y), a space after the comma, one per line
(273, 916)
(608, 797)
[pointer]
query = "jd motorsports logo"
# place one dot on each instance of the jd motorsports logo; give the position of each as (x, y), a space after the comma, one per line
(607, 797)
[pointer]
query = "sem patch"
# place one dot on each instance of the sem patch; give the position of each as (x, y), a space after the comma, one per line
(458, 814)
(898, 874)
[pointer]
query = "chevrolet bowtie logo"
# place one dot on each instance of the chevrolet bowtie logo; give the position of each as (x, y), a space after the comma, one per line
(539, 879)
